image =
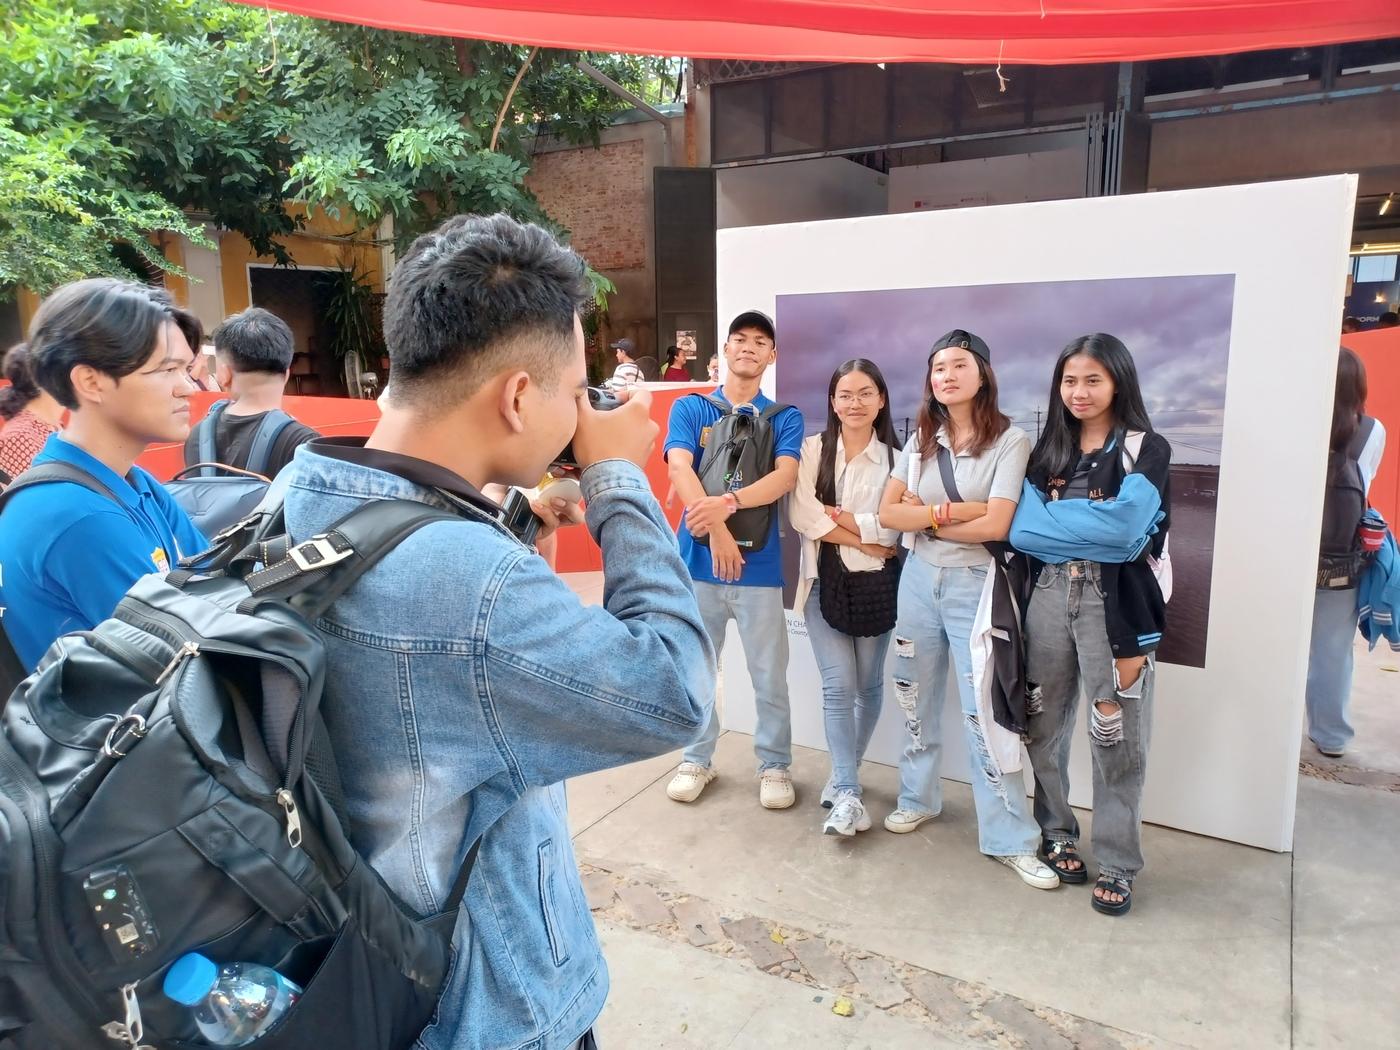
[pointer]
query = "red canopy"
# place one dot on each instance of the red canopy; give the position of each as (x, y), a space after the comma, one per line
(965, 31)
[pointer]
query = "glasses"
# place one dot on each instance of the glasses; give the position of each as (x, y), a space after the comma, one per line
(865, 397)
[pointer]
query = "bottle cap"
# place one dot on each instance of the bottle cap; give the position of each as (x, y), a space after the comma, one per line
(190, 979)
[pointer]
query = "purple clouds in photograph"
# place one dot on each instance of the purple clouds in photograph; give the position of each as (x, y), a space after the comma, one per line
(1178, 329)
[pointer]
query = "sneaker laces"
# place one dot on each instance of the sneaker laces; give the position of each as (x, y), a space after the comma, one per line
(847, 808)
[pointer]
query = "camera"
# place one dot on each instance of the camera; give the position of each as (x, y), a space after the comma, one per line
(602, 400)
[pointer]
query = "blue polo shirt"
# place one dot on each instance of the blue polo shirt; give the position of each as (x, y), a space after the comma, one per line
(691, 418)
(69, 555)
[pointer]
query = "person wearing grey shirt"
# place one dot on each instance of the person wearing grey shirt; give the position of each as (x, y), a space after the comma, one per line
(942, 586)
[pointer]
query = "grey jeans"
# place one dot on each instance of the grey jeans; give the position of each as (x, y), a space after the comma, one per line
(1066, 648)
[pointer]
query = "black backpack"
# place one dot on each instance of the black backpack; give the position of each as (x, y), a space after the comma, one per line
(167, 785)
(1343, 506)
(738, 452)
(216, 495)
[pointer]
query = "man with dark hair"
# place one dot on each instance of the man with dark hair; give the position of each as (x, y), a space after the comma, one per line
(627, 371)
(253, 355)
(115, 354)
(465, 681)
(1389, 319)
(744, 587)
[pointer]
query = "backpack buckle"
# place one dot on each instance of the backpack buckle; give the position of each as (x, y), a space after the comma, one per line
(317, 553)
(129, 728)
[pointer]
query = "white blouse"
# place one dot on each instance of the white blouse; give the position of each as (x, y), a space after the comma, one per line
(859, 485)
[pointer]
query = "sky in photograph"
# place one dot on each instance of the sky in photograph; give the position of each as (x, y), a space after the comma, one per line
(1177, 328)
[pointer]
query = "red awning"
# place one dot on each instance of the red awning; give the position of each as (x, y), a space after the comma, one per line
(964, 31)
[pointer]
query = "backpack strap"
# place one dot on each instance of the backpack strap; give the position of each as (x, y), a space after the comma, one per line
(724, 406)
(205, 452)
(47, 473)
(12, 669)
(772, 410)
(319, 570)
(1132, 449)
(1360, 438)
(269, 430)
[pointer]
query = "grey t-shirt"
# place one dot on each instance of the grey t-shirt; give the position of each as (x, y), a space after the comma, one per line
(995, 474)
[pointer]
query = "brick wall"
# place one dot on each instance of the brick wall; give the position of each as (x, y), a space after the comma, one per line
(600, 196)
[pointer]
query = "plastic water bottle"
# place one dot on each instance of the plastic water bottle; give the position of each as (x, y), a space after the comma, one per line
(234, 1003)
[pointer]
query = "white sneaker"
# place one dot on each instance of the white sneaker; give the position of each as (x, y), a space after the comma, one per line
(848, 816)
(775, 789)
(1033, 871)
(689, 781)
(829, 792)
(903, 821)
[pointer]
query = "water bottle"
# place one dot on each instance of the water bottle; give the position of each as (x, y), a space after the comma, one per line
(234, 1003)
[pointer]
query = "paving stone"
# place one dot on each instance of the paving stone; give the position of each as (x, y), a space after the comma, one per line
(699, 922)
(936, 993)
(756, 937)
(1089, 1036)
(877, 980)
(792, 966)
(646, 907)
(599, 889)
(1036, 1033)
(824, 965)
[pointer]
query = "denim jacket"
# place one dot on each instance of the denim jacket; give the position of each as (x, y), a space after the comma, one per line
(465, 682)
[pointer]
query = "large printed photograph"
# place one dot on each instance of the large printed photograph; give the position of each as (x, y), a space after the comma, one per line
(1177, 328)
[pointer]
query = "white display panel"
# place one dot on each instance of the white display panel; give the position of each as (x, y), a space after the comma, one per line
(1224, 752)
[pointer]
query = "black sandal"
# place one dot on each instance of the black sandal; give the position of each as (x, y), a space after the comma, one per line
(1057, 854)
(1113, 884)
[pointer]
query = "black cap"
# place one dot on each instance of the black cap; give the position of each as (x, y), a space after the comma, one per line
(754, 319)
(966, 340)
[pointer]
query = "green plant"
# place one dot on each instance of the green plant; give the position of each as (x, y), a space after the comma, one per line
(346, 311)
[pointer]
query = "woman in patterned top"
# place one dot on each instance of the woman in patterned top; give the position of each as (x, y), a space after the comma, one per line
(30, 415)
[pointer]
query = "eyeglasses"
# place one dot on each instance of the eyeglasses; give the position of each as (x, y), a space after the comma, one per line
(865, 397)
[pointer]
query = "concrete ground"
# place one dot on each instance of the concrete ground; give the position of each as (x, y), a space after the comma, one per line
(729, 926)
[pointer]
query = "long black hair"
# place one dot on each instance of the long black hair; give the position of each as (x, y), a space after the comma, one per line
(1349, 400)
(1058, 447)
(884, 425)
(22, 389)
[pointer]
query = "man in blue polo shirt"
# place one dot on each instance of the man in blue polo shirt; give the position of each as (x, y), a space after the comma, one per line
(728, 585)
(116, 354)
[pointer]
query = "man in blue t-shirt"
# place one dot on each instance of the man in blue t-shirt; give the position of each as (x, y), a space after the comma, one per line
(729, 585)
(116, 354)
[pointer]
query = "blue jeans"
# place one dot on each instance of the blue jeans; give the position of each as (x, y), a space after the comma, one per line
(853, 690)
(936, 608)
(1329, 668)
(763, 633)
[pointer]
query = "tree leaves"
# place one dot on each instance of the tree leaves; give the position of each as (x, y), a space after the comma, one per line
(119, 123)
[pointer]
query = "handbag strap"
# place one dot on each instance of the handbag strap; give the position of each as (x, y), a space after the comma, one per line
(996, 548)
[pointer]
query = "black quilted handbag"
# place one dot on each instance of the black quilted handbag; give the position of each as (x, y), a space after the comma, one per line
(861, 604)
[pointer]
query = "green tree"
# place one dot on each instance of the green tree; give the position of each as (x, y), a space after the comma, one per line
(120, 122)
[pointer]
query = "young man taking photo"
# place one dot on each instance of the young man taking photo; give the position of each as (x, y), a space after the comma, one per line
(455, 697)
(116, 354)
(253, 355)
(747, 588)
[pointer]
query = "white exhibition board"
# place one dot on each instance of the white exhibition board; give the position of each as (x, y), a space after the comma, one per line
(1224, 751)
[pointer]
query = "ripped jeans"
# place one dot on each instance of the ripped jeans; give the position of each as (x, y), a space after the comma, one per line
(1066, 647)
(936, 608)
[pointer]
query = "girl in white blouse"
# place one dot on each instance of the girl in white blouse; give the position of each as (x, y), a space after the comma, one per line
(836, 508)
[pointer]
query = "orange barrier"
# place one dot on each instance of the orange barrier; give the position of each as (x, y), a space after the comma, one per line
(1379, 350)
(344, 416)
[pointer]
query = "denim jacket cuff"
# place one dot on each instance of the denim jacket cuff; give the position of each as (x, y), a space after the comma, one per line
(612, 474)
